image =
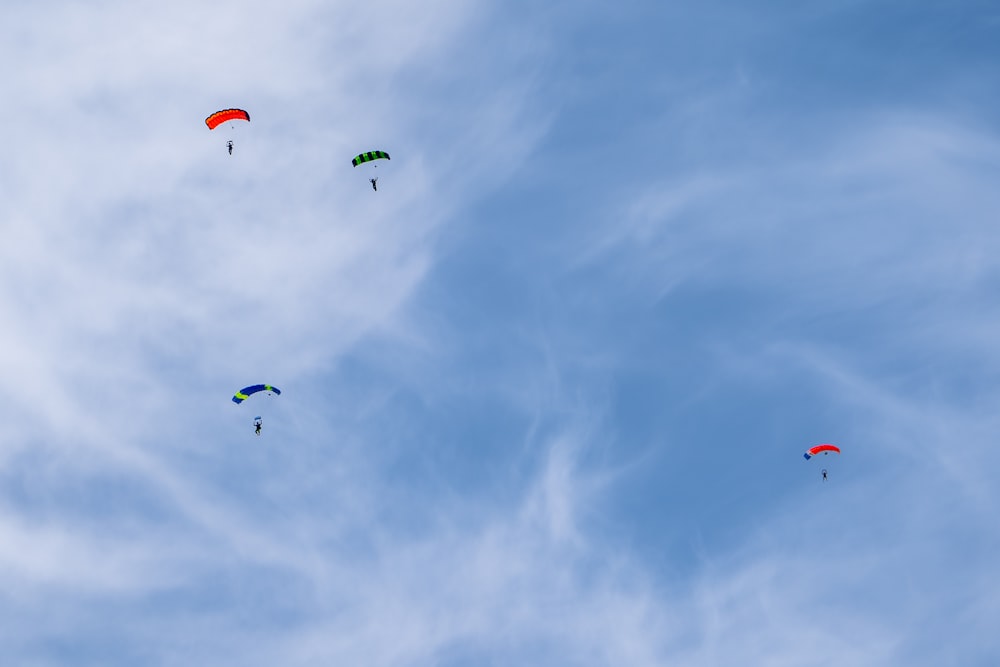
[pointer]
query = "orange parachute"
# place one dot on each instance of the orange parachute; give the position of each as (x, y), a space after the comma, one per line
(220, 117)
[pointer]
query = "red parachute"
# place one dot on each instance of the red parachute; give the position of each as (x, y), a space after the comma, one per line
(821, 449)
(226, 115)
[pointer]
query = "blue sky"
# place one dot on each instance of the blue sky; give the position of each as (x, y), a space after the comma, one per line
(545, 393)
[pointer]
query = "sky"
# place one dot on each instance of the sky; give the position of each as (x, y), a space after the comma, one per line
(545, 393)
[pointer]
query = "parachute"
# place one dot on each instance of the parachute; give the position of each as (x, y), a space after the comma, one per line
(821, 449)
(368, 157)
(245, 393)
(224, 116)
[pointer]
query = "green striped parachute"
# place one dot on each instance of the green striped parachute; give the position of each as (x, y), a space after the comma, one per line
(370, 156)
(370, 160)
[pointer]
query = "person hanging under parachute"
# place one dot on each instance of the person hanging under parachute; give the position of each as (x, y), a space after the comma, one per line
(219, 117)
(824, 449)
(246, 392)
(371, 157)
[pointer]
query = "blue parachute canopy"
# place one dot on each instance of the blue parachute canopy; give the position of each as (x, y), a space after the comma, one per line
(245, 393)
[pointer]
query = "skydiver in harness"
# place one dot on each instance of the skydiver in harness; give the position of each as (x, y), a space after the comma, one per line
(256, 425)
(374, 182)
(229, 145)
(824, 474)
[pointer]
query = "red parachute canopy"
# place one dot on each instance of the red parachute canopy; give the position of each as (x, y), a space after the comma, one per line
(220, 117)
(821, 449)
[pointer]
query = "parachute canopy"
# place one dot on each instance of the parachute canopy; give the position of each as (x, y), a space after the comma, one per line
(245, 393)
(369, 156)
(821, 449)
(220, 117)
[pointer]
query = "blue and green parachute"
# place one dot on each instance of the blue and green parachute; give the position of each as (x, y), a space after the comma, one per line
(246, 392)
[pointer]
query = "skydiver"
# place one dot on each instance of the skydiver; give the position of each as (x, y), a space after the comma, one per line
(824, 474)
(229, 145)
(256, 426)
(374, 183)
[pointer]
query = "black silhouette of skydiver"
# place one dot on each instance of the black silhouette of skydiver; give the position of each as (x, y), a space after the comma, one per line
(256, 426)
(229, 145)
(824, 474)
(374, 183)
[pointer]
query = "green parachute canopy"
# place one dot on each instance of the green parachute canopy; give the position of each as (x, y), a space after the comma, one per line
(369, 156)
